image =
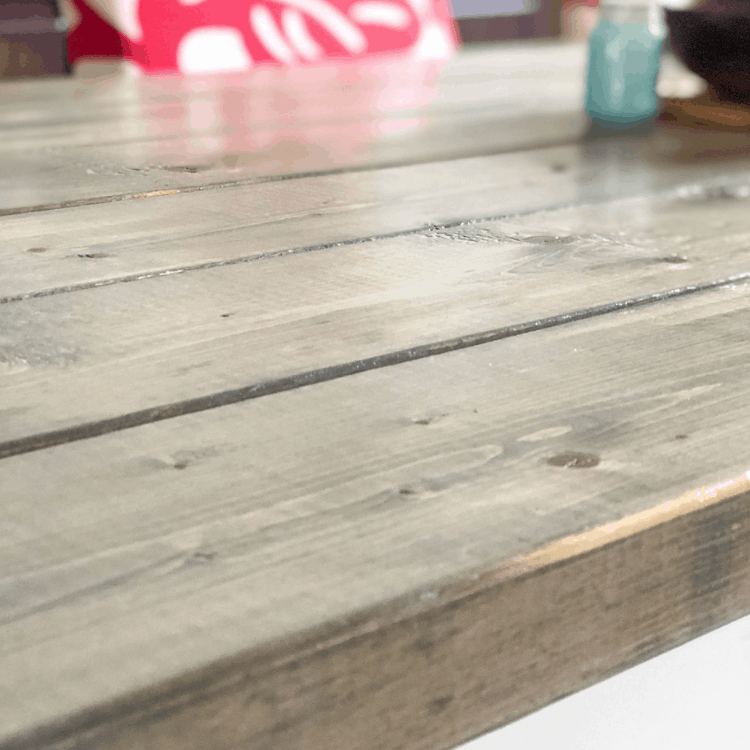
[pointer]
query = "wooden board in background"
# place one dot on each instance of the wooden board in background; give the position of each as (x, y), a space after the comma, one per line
(521, 75)
(155, 133)
(125, 169)
(340, 562)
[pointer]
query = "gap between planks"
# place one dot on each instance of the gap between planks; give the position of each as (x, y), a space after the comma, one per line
(334, 372)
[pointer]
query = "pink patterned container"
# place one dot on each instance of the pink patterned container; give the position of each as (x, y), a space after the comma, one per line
(222, 36)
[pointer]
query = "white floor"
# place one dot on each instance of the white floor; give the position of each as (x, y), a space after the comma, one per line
(695, 697)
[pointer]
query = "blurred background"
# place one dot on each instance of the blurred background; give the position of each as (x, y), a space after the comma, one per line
(43, 37)
(497, 20)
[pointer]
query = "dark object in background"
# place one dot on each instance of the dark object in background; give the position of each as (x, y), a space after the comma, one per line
(32, 39)
(540, 19)
(714, 42)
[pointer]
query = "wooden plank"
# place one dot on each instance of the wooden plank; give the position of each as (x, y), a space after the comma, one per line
(160, 233)
(132, 168)
(139, 136)
(180, 128)
(517, 74)
(101, 243)
(384, 560)
(199, 334)
(57, 180)
(166, 133)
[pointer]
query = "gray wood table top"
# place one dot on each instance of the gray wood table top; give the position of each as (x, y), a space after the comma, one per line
(358, 408)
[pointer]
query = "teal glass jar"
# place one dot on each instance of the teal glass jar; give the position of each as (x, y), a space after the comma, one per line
(624, 53)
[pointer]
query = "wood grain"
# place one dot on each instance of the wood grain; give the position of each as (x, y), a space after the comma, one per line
(153, 234)
(101, 243)
(338, 566)
(198, 334)
(406, 544)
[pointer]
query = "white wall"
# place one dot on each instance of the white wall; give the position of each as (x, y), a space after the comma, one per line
(695, 697)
